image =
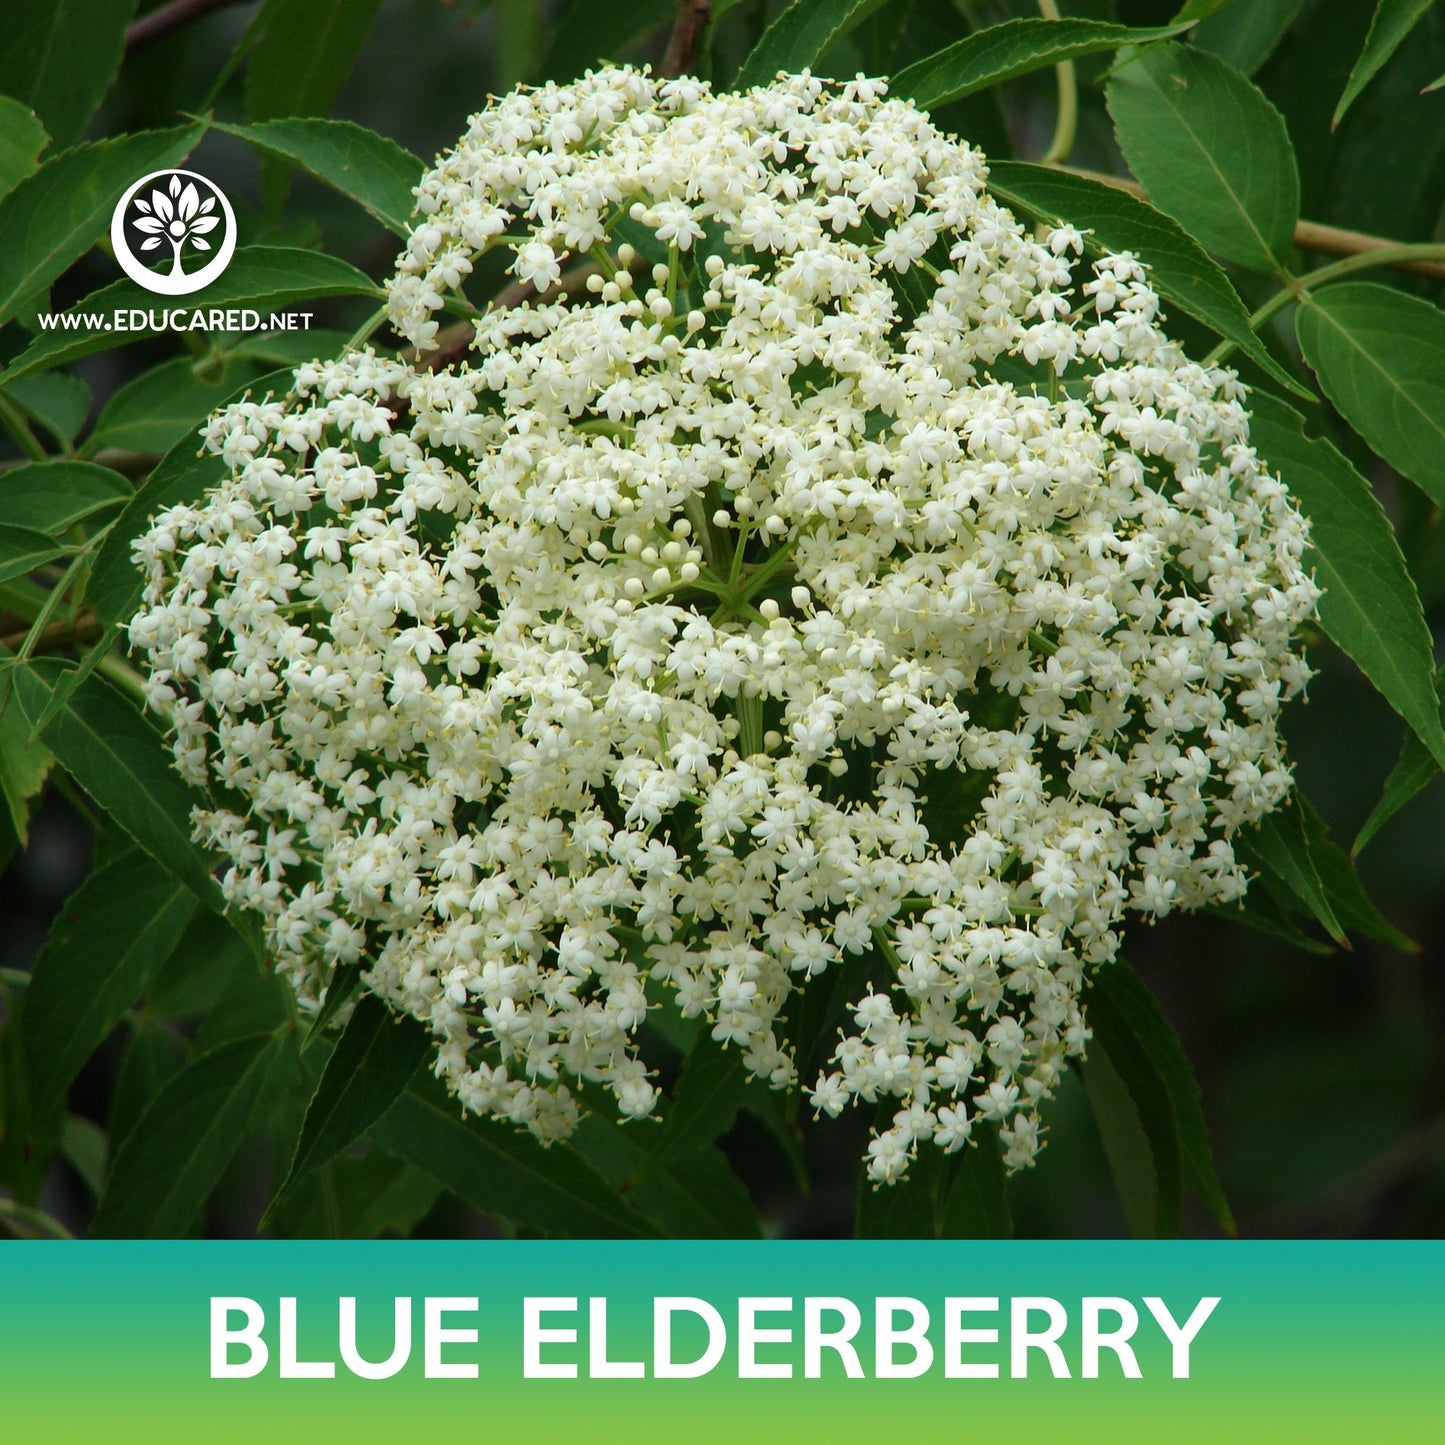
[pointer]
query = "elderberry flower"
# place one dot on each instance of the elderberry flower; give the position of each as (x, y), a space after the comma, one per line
(841, 580)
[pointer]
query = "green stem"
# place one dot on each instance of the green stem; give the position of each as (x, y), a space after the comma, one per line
(1300, 286)
(1067, 124)
(14, 422)
(124, 676)
(367, 329)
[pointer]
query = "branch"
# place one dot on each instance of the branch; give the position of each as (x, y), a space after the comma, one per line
(452, 343)
(1308, 235)
(692, 19)
(170, 17)
(57, 636)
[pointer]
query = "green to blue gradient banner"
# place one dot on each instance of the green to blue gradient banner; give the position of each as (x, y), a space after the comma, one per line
(703, 1342)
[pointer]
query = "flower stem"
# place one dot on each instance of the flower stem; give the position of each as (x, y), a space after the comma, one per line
(1067, 124)
(1300, 286)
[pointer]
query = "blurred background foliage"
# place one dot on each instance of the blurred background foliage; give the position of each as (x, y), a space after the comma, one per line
(1322, 1069)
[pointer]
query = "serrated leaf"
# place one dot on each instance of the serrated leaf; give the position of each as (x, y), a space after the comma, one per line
(1017, 47)
(55, 216)
(58, 401)
(61, 59)
(24, 767)
(104, 947)
(499, 1170)
(168, 1164)
(1393, 21)
(1259, 911)
(51, 497)
(266, 278)
(179, 476)
(1121, 1004)
(705, 1102)
(907, 1208)
(304, 51)
(1370, 608)
(799, 35)
(695, 1196)
(153, 1056)
(23, 549)
(373, 171)
(372, 1064)
(1136, 1126)
(113, 753)
(1415, 769)
(1211, 150)
(1179, 267)
(1380, 358)
(206, 961)
(22, 138)
(977, 1205)
(1246, 36)
(1354, 907)
(1280, 846)
(160, 407)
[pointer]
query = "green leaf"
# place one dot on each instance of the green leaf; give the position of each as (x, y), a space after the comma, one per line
(359, 1199)
(58, 401)
(85, 1146)
(265, 278)
(167, 1166)
(22, 138)
(500, 1170)
(375, 172)
(1210, 150)
(1246, 36)
(1195, 10)
(305, 49)
(1003, 52)
(209, 958)
(120, 760)
(160, 407)
(104, 947)
(61, 59)
(179, 476)
(1126, 1017)
(977, 1205)
(1136, 1125)
(695, 1196)
(583, 31)
(1414, 770)
(22, 549)
(1380, 358)
(153, 1056)
(289, 348)
(51, 497)
(1393, 22)
(1259, 910)
(799, 35)
(55, 216)
(1280, 847)
(24, 766)
(705, 1102)
(1179, 267)
(372, 1064)
(907, 1208)
(1352, 904)
(1370, 608)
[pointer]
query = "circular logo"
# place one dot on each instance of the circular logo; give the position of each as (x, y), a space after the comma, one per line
(173, 232)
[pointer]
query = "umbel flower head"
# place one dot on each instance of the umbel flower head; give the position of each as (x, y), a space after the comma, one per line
(846, 590)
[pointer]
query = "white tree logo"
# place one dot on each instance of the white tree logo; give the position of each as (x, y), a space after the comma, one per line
(180, 210)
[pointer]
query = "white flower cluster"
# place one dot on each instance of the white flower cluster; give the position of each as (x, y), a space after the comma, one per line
(845, 586)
